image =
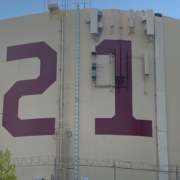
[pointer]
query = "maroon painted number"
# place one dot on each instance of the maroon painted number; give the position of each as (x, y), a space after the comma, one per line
(123, 123)
(48, 64)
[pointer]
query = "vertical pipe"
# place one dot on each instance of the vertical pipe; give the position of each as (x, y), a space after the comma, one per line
(59, 105)
(61, 96)
(55, 169)
(70, 5)
(114, 171)
(118, 75)
(177, 174)
(112, 66)
(84, 4)
(111, 71)
(120, 35)
(123, 63)
(77, 96)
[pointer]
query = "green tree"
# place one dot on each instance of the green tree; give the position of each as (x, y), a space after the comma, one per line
(7, 169)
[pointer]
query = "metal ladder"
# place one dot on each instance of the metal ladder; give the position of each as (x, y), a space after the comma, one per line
(62, 121)
(77, 96)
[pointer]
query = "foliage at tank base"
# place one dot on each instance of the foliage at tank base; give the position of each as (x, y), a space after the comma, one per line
(7, 169)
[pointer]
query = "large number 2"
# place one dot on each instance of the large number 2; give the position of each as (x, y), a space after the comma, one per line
(48, 65)
(123, 123)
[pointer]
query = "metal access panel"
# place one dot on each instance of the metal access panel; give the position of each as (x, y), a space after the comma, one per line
(146, 63)
(39, 178)
(112, 18)
(94, 21)
(131, 18)
(100, 25)
(150, 22)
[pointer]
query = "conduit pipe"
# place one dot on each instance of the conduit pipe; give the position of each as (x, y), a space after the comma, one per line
(111, 70)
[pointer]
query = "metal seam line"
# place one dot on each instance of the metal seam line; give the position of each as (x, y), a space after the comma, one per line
(77, 97)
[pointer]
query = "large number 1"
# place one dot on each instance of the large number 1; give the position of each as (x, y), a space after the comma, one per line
(123, 123)
(48, 64)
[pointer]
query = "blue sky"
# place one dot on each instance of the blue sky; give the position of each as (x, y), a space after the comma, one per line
(14, 8)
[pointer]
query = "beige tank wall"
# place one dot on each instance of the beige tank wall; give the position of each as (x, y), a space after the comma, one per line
(23, 30)
(172, 64)
(99, 102)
